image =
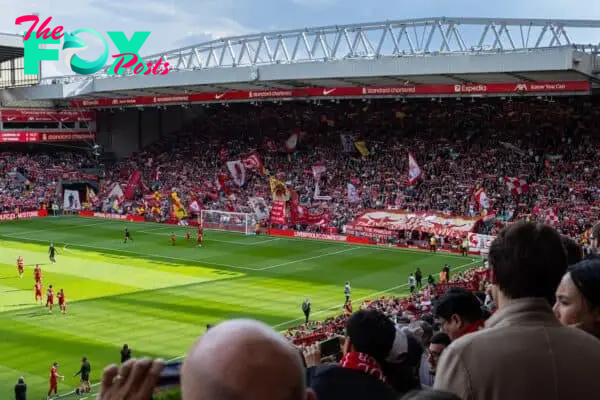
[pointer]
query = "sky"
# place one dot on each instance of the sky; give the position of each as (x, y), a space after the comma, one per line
(178, 23)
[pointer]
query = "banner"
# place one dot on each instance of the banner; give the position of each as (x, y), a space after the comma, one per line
(237, 171)
(514, 88)
(132, 185)
(414, 171)
(480, 243)
(194, 207)
(279, 190)
(278, 213)
(362, 148)
(429, 222)
(38, 115)
(517, 186)
(116, 192)
(23, 215)
(90, 195)
(253, 162)
(71, 200)
(347, 143)
(292, 142)
(482, 199)
(353, 194)
(260, 208)
(320, 176)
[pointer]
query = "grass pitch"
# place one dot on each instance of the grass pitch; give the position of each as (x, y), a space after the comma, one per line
(158, 298)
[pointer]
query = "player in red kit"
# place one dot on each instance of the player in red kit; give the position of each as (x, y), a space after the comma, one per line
(50, 298)
(20, 266)
(37, 273)
(38, 292)
(62, 304)
(173, 238)
(199, 239)
(54, 376)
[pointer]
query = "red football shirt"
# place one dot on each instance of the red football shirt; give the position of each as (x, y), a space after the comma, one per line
(53, 375)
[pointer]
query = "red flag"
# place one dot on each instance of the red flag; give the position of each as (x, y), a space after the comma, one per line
(253, 162)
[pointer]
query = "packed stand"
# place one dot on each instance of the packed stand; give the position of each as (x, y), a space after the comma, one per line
(31, 181)
(553, 146)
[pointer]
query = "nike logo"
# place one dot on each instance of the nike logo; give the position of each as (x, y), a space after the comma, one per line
(219, 96)
(328, 91)
(11, 118)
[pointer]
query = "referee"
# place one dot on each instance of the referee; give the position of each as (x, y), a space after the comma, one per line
(306, 310)
(84, 371)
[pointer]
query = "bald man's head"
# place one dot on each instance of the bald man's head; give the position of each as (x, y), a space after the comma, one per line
(243, 359)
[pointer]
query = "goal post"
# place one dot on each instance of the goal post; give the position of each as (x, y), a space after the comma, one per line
(228, 221)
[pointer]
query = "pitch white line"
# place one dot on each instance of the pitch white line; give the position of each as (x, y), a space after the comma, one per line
(308, 258)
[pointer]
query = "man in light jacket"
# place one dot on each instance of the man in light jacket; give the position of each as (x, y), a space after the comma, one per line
(523, 352)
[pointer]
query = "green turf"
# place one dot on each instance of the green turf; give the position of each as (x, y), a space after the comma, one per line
(158, 298)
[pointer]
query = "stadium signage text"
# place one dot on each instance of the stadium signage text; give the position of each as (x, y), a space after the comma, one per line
(499, 89)
(128, 56)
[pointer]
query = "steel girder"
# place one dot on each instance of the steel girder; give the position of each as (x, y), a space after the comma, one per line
(371, 41)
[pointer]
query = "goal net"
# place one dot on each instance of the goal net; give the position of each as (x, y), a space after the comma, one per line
(228, 221)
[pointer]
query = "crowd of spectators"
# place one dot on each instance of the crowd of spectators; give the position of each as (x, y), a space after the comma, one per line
(460, 145)
(402, 309)
(551, 145)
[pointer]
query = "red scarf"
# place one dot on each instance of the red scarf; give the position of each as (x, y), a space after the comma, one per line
(364, 363)
(474, 327)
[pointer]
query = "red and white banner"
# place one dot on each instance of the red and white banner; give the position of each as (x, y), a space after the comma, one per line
(318, 172)
(482, 198)
(118, 217)
(292, 142)
(38, 115)
(132, 184)
(23, 215)
(353, 196)
(517, 186)
(480, 243)
(237, 171)
(428, 222)
(538, 88)
(320, 236)
(260, 208)
(253, 162)
(278, 212)
(414, 171)
(33, 137)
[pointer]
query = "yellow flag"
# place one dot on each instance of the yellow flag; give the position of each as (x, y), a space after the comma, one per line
(361, 146)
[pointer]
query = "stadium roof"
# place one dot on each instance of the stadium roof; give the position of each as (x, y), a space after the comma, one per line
(429, 51)
(11, 47)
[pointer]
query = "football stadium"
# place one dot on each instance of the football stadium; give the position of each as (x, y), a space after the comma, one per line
(350, 211)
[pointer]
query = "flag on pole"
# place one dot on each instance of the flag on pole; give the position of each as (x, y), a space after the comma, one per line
(414, 171)
(362, 148)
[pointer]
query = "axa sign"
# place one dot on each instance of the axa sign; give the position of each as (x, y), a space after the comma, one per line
(128, 56)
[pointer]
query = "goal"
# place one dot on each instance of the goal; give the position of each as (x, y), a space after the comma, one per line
(228, 221)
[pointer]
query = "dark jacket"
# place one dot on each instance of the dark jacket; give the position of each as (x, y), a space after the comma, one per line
(332, 382)
(21, 391)
(125, 355)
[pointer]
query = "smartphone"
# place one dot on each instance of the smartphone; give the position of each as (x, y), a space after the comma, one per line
(331, 347)
(170, 376)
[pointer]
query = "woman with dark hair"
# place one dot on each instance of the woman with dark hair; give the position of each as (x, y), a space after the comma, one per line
(578, 297)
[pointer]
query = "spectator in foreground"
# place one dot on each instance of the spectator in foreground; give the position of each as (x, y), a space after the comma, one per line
(238, 359)
(524, 352)
(402, 371)
(21, 389)
(243, 359)
(371, 338)
(438, 344)
(578, 297)
(460, 313)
